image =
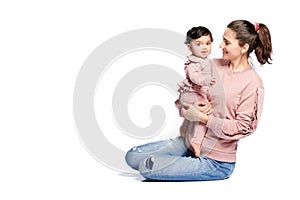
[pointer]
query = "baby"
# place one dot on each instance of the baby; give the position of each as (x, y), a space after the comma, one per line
(195, 88)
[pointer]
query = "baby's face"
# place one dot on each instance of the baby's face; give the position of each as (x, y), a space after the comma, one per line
(201, 47)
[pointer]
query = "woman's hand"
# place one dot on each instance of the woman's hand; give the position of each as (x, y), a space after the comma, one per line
(205, 108)
(197, 111)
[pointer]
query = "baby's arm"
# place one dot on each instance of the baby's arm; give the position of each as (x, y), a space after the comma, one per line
(197, 77)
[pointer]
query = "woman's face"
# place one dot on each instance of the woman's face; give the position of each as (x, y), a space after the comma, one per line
(230, 46)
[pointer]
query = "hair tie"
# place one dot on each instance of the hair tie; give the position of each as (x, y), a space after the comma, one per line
(256, 26)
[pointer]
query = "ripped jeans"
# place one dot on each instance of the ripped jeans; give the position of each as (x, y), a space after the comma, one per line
(171, 160)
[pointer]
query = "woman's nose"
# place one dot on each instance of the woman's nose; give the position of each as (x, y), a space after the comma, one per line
(221, 45)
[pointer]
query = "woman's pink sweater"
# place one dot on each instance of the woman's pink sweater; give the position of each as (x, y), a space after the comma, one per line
(237, 101)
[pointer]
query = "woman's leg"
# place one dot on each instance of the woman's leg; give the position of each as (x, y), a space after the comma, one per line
(174, 168)
(172, 147)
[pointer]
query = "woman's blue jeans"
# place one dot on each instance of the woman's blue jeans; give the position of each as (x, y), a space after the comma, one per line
(171, 160)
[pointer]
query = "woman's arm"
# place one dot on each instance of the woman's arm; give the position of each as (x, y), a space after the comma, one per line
(244, 122)
(246, 118)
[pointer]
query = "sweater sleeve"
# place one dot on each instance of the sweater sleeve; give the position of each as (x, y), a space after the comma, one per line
(246, 118)
(196, 76)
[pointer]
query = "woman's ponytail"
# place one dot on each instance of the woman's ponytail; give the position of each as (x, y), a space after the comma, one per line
(263, 49)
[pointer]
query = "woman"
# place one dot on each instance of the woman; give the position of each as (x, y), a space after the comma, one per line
(238, 100)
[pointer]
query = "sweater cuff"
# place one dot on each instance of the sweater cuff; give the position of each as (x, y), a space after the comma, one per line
(215, 124)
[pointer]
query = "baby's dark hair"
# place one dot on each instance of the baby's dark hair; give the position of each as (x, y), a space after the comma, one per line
(256, 35)
(197, 32)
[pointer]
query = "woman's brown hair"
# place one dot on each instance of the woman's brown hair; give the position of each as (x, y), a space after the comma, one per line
(257, 36)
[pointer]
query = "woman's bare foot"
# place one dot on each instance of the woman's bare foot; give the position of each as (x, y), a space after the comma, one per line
(196, 148)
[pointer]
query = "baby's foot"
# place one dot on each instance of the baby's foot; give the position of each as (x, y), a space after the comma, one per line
(196, 148)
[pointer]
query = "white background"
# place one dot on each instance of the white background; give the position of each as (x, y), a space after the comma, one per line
(42, 48)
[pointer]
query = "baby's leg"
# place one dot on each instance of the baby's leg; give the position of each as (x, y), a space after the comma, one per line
(190, 130)
(197, 138)
(196, 148)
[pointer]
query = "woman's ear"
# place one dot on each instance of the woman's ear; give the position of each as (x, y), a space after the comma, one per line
(245, 48)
